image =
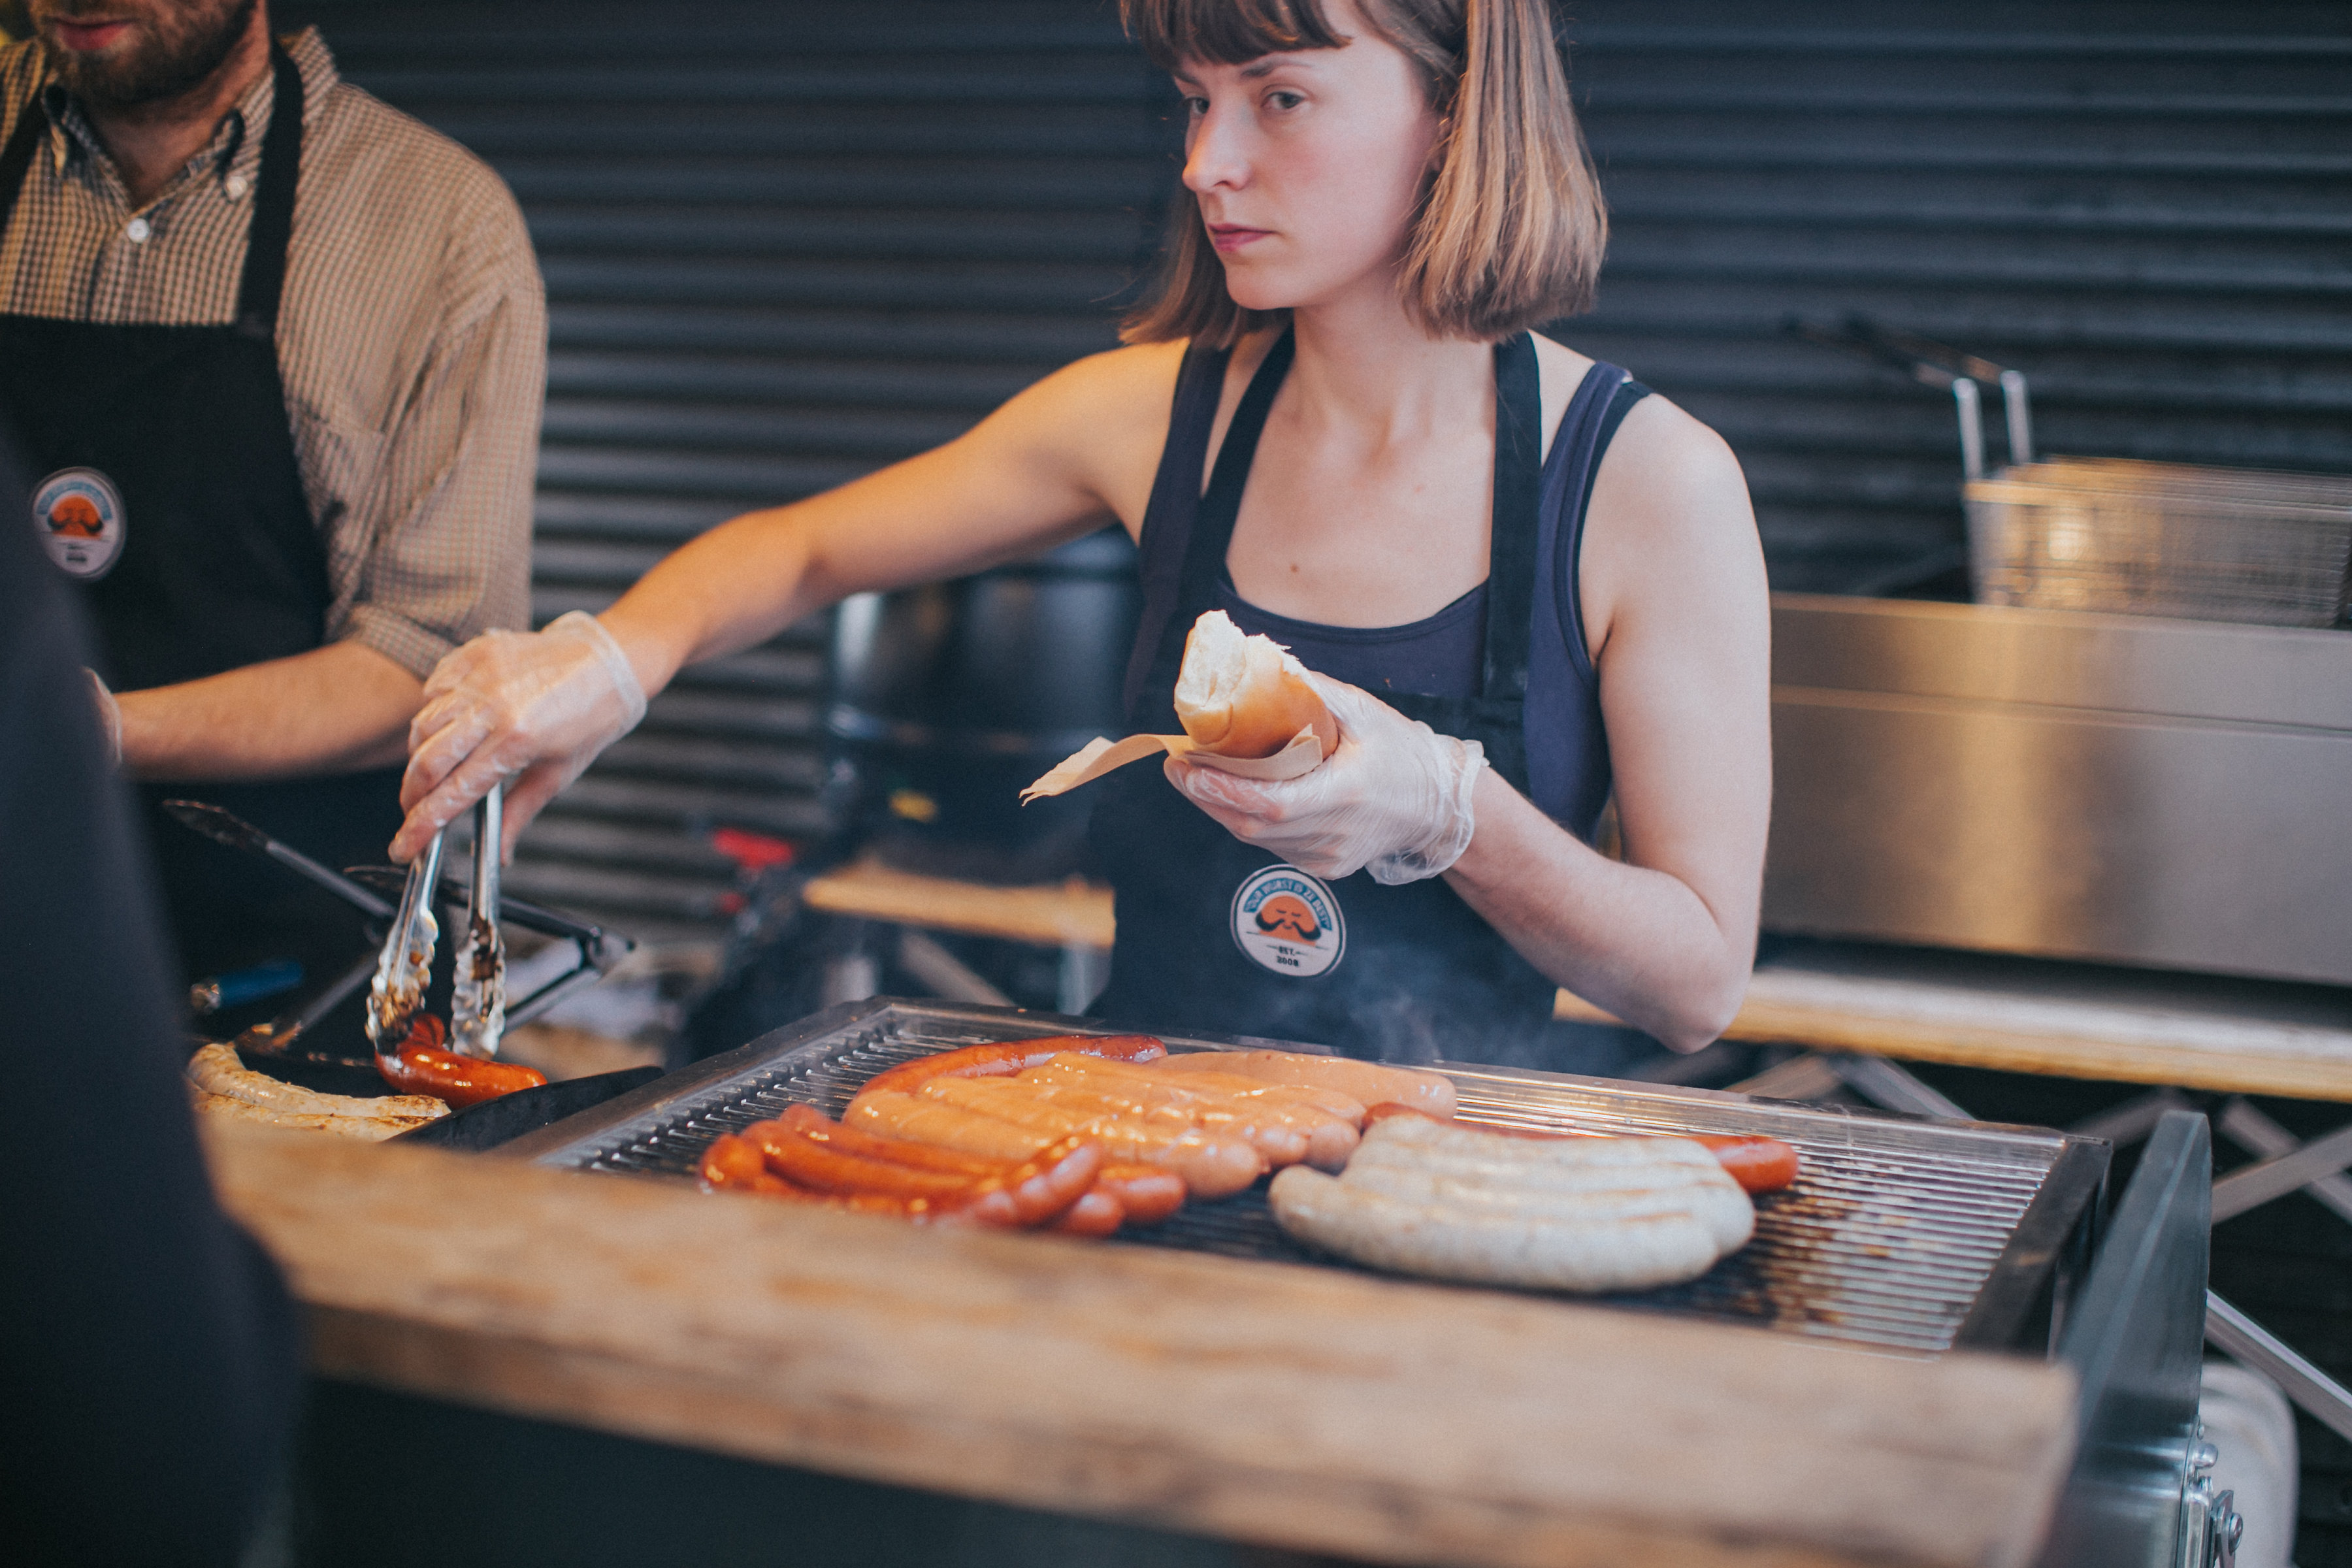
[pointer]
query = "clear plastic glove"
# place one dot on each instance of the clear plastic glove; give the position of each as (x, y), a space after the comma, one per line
(110, 717)
(1393, 799)
(533, 708)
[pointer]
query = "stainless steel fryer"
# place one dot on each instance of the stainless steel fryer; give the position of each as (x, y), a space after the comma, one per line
(1914, 1236)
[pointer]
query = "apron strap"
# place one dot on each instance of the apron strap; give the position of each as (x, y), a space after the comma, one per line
(273, 197)
(273, 204)
(1518, 516)
(1167, 519)
(1221, 506)
(32, 126)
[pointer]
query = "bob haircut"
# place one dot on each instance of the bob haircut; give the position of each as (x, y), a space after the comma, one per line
(1511, 226)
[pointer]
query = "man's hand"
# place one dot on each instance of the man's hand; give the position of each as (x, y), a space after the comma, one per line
(334, 709)
(536, 709)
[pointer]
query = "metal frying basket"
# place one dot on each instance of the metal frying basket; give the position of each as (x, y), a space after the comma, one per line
(2163, 539)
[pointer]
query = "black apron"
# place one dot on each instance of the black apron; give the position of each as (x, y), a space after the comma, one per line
(1216, 935)
(175, 498)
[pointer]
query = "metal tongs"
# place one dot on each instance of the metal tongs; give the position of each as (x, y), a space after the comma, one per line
(403, 967)
(593, 950)
(1932, 363)
(478, 1007)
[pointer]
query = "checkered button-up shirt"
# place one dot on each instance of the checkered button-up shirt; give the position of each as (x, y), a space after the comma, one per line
(412, 337)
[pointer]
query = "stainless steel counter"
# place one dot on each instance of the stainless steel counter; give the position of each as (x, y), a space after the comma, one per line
(2118, 788)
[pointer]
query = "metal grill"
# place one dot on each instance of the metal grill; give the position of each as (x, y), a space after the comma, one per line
(1908, 1235)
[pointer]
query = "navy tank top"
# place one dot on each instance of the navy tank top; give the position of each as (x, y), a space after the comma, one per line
(1213, 934)
(1442, 655)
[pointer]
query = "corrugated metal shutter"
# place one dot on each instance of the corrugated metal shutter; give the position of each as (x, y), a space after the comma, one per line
(786, 243)
(2141, 205)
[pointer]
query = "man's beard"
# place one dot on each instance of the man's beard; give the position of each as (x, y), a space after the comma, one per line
(177, 48)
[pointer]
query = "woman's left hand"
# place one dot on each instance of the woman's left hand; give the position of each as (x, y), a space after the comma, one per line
(1394, 798)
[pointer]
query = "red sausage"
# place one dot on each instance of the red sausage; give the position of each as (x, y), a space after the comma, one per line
(1038, 1190)
(803, 1148)
(1005, 1057)
(733, 1164)
(1757, 1163)
(1148, 1193)
(807, 1157)
(897, 1151)
(1096, 1213)
(460, 1080)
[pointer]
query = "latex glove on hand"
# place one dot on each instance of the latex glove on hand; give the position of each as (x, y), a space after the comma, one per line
(110, 717)
(535, 707)
(1393, 799)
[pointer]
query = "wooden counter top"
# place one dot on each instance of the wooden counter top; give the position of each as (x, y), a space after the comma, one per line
(1304, 1407)
(2064, 1020)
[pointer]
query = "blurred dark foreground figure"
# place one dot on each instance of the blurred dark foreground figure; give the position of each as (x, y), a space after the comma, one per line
(148, 1355)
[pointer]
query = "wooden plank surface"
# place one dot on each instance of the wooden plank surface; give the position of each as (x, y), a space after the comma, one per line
(1304, 1407)
(1050, 915)
(2237, 1036)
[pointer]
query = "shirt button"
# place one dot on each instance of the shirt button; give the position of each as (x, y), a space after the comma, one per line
(236, 186)
(138, 231)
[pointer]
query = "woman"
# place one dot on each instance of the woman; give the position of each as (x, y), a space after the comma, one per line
(1534, 584)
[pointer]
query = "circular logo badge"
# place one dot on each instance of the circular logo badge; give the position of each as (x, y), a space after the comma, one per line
(1288, 921)
(79, 514)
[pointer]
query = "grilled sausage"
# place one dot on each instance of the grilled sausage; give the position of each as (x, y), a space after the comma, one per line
(925, 1119)
(1368, 1082)
(1005, 1057)
(805, 1157)
(1272, 1131)
(1035, 1191)
(1147, 1193)
(1285, 1127)
(736, 1164)
(1096, 1213)
(1757, 1163)
(460, 1080)
(217, 1070)
(871, 1146)
(1211, 1165)
(1442, 1241)
(374, 1129)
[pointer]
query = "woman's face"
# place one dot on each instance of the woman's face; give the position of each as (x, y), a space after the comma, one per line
(1308, 166)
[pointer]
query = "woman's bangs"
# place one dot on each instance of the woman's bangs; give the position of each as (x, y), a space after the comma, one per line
(1228, 32)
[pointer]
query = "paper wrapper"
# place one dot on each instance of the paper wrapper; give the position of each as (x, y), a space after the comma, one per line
(1099, 756)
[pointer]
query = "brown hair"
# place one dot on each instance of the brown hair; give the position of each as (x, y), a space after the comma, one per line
(1511, 226)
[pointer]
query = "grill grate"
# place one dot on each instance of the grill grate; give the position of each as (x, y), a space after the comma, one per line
(1890, 1235)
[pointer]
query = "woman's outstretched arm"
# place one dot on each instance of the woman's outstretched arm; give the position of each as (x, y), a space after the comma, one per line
(1063, 458)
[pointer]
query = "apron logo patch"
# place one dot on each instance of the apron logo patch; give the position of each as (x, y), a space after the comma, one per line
(79, 514)
(1288, 921)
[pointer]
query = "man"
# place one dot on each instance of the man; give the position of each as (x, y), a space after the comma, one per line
(276, 354)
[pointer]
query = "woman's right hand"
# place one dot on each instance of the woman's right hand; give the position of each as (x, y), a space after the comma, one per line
(535, 707)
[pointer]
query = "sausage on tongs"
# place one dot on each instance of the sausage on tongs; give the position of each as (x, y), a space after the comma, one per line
(408, 1042)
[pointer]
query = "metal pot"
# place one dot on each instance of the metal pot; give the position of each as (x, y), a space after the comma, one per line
(947, 698)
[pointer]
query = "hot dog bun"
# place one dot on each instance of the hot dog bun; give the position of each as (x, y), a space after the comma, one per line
(1245, 696)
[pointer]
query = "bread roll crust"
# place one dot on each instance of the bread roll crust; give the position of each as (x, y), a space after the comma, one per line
(1245, 696)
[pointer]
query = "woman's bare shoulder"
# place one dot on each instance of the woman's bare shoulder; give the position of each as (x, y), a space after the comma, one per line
(1670, 523)
(1673, 474)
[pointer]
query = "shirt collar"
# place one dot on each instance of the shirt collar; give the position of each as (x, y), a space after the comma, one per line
(235, 146)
